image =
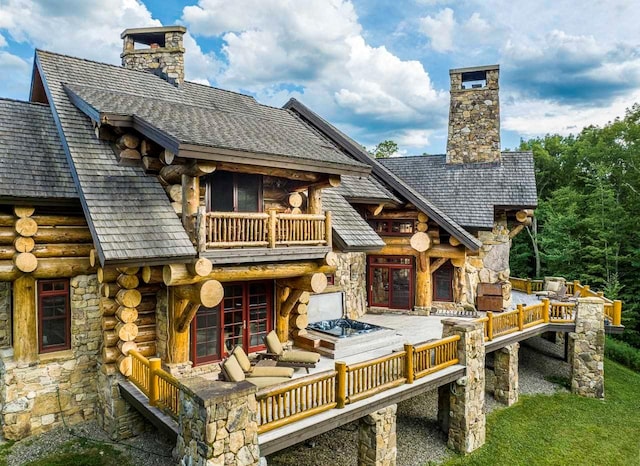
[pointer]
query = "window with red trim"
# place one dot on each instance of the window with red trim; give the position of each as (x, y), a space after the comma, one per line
(54, 316)
(331, 279)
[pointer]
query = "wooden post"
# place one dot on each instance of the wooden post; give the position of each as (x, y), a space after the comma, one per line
(490, 325)
(409, 374)
(178, 342)
(282, 322)
(202, 229)
(529, 290)
(545, 310)
(314, 200)
(423, 281)
(190, 202)
(341, 384)
(25, 341)
(328, 232)
(520, 317)
(155, 365)
(271, 231)
(617, 312)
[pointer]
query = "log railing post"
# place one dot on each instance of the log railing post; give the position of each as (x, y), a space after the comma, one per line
(529, 290)
(617, 312)
(327, 226)
(271, 232)
(490, 325)
(202, 229)
(409, 370)
(520, 317)
(155, 365)
(545, 310)
(341, 384)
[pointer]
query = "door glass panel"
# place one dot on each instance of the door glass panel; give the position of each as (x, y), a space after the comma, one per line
(380, 286)
(221, 192)
(258, 314)
(442, 283)
(247, 193)
(206, 346)
(401, 288)
(233, 312)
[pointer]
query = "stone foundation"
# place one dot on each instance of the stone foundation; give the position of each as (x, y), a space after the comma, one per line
(115, 415)
(218, 424)
(586, 349)
(461, 411)
(506, 370)
(377, 438)
(35, 396)
(350, 276)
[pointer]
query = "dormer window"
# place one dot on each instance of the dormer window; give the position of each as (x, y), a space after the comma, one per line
(474, 79)
(234, 192)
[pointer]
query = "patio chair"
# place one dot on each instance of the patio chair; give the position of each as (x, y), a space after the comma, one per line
(306, 359)
(232, 372)
(553, 288)
(251, 371)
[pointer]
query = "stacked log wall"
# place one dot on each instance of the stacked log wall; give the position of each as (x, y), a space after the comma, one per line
(5, 314)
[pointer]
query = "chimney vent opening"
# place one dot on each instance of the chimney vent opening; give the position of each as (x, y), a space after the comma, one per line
(474, 79)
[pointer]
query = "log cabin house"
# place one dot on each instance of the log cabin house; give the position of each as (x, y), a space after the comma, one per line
(142, 211)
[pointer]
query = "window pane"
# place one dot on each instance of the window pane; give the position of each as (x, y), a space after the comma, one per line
(222, 192)
(53, 332)
(247, 193)
(54, 306)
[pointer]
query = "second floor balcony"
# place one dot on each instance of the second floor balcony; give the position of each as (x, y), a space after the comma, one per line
(261, 236)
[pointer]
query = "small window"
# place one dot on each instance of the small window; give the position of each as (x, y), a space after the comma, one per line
(393, 227)
(54, 316)
(234, 192)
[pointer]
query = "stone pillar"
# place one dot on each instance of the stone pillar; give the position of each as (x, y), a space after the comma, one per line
(377, 438)
(218, 424)
(466, 417)
(586, 349)
(506, 369)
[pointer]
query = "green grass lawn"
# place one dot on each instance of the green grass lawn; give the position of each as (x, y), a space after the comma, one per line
(565, 429)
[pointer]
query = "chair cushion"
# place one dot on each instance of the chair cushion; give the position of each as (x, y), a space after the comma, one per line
(269, 371)
(262, 382)
(273, 343)
(553, 286)
(242, 358)
(233, 370)
(307, 357)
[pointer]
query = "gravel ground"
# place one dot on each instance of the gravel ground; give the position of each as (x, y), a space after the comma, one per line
(158, 448)
(418, 436)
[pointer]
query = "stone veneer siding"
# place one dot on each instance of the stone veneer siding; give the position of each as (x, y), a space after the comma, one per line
(506, 370)
(35, 396)
(490, 265)
(474, 121)
(377, 438)
(586, 349)
(5, 314)
(167, 61)
(351, 277)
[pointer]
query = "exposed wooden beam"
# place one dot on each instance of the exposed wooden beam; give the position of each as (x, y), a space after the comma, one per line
(439, 262)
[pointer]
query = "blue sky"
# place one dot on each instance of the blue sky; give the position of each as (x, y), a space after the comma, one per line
(377, 69)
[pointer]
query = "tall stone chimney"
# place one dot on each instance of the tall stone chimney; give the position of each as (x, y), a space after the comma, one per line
(474, 115)
(163, 54)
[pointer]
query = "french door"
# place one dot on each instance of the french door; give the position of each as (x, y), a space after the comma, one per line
(391, 281)
(243, 318)
(443, 283)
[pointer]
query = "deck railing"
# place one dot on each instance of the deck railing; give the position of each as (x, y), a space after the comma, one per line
(498, 325)
(162, 389)
(564, 313)
(256, 229)
(432, 356)
(295, 400)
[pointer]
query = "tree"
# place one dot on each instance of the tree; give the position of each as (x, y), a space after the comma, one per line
(385, 149)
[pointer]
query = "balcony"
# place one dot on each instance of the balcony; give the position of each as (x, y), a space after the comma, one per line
(256, 236)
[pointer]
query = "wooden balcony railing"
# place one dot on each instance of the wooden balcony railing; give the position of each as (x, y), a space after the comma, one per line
(295, 400)
(253, 229)
(432, 356)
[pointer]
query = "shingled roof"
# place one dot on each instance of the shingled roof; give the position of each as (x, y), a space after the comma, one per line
(32, 162)
(383, 175)
(351, 232)
(469, 193)
(129, 214)
(364, 189)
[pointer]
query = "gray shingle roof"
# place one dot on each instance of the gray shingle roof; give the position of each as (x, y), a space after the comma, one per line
(251, 127)
(128, 212)
(384, 175)
(351, 231)
(32, 162)
(469, 193)
(360, 188)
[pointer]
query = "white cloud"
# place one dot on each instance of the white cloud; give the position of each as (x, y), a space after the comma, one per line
(3, 41)
(439, 29)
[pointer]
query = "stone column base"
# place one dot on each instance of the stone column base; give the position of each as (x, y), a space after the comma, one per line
(377, 438)
(506, 370)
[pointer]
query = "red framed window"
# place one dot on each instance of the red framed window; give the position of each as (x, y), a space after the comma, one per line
(243, 318)
(393, 227)
(391, 281)
(54, 316)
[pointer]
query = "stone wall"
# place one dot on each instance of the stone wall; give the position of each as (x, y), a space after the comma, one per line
(586, 349)
(377, 438)
(506, 370)
(474, 121)
(5, 314)
(490, 265)
(167, 62)
(351, 277)
(35, 396)
(218, 424)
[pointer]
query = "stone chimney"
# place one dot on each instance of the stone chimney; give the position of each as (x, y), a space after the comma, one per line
(474, 115)
(162, 51)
